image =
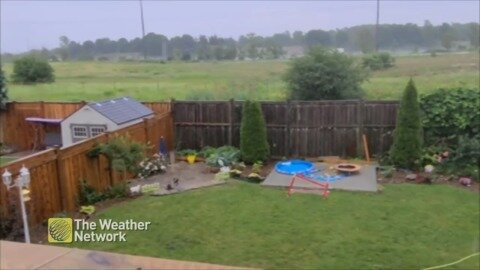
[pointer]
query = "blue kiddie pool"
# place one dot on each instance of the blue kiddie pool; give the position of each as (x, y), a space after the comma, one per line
(294, 166)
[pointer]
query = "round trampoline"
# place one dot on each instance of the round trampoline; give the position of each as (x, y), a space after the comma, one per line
(294, 166)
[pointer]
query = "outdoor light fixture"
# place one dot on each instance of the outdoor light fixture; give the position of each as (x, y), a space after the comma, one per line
(23, 180)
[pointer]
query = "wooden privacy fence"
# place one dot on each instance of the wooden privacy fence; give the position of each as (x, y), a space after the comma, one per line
(20, 134)
(56, 173)
(295, 128)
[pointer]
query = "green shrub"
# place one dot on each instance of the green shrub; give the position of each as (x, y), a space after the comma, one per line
(407, 140)
(448, 114)
(451, 121)
(378, 61)
(123, 153)
(87, 195)
(325, 74)
(465, 160)
(119, 190)
(29, 69)
(207, 151)
(253, 134)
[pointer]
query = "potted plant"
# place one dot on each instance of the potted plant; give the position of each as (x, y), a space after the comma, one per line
(189, 154)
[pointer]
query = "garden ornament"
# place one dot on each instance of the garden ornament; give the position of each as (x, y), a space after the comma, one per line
(163, 147)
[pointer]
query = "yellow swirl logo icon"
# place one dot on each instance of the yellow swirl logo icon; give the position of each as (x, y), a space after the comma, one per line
(60, 230)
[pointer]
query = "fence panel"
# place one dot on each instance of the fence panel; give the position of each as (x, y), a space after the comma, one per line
(296, 128)
(60, 109)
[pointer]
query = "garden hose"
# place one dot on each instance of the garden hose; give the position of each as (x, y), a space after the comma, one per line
(449, 264)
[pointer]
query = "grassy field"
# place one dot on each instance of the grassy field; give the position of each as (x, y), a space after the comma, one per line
(405, 227)
(261, 80)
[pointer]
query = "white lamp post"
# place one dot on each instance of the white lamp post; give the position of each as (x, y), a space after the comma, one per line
(23, 180)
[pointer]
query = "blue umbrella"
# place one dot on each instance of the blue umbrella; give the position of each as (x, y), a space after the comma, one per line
(163, 147)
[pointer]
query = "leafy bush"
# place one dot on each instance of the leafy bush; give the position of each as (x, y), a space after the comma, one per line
(253, 134)
(87, 194)
(149, 166)
(407, 140)
(449, 114)
(119, 190)
(123, 153)
(30, 69)
(429, 155)
(378, 61)
(451, 120)
(207, 151)
(325, 74)
(223, 156)
(465, 159)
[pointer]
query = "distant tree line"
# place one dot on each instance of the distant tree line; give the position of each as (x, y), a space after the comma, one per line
(353, 39)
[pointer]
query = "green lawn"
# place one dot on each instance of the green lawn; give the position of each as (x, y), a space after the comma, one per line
(4, 160)
(261, 80)
(406, 226)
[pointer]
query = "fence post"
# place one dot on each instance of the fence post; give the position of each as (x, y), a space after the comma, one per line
(231, 111)
(174, 127)
(145, 129)
(360, 126)
(42, 109)
(287, 128)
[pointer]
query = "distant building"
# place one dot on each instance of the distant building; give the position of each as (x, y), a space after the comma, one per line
(293, 51)
(98, 117)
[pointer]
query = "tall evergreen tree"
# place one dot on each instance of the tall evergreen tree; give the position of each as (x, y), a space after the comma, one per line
(3, 91)
(407, 141)
(253, 134)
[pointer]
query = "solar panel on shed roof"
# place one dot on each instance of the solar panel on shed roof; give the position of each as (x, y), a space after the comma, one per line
(121, 110)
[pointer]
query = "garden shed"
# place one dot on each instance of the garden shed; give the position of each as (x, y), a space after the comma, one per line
(98, 117)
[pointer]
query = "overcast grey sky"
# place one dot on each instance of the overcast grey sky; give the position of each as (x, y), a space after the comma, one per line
(28, 25)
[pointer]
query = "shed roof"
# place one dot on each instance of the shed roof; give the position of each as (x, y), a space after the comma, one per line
(121, 110)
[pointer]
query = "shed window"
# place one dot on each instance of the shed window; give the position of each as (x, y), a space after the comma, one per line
(79, 132)
(94, 131)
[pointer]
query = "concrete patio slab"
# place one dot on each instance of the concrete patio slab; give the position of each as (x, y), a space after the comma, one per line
(365, 180)
(15, 255)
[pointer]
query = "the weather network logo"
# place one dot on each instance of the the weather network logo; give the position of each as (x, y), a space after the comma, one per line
(60, 230)
(67, 230)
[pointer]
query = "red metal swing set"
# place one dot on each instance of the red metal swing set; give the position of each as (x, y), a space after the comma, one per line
(324, 186)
